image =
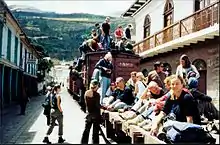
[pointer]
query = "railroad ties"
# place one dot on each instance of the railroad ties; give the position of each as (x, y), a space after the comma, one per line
(117, 130)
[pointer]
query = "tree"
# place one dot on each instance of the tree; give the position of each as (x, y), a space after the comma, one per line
(44, 66)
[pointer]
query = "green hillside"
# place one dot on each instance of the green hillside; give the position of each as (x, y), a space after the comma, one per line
(61, 34)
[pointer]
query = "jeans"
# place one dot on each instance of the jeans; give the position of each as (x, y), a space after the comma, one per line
(48, 120)
(95, 121)
(137, 105)
(56, 115)
(120, 105)
(147, 112)
(106, 42)
(104, 85)
(96, 74)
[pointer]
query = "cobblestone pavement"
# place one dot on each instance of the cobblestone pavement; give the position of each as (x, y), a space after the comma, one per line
(32, 127)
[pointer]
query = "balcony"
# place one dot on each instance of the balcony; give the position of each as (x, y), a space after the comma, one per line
(199, 26)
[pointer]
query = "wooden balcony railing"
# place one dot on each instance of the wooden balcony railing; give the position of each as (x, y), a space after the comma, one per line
(197, 21)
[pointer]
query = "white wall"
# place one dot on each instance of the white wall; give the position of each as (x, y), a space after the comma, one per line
(4, 41)
(12, 47)
(182, 9)
(23, 56)
(18, 53)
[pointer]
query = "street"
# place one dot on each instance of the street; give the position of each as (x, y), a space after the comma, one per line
(32, 127)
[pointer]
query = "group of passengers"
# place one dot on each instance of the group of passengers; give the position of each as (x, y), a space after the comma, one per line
(101, 39)
(146, 101)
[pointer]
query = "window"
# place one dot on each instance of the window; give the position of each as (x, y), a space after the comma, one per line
(21, 56)
(9, 45)
(200, 4)
(168, 13)
(147, 23)
(16, 50)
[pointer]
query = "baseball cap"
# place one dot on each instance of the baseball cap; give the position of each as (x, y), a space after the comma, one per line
(193, 82)
(119, 79)
(191, 74)
(94, 83)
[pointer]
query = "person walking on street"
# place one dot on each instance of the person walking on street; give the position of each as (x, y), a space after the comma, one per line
(92, 99)
(24, 98)
(56, 114)
(47, 107)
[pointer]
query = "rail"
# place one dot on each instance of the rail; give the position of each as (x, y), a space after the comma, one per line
(199, 20)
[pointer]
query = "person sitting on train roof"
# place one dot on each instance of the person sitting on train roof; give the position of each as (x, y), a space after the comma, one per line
(140, 85)
(154, 107)
(180, 104)
(106, 68)
(153, 91)
(108, 99)
(124, 45)
(123, 96)
(131, 82)
(157, 74)
(205, 105)
(185, 67)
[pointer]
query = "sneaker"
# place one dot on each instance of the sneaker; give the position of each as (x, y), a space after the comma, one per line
(61, 140)
(46, 140)
(136, 120)
(129, 115)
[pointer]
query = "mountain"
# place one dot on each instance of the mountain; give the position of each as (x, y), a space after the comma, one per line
(60, 35)
(24, 8)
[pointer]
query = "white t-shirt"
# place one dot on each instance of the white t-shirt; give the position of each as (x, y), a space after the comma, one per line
(141, 89)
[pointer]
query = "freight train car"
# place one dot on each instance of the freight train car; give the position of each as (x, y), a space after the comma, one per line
(123, 63)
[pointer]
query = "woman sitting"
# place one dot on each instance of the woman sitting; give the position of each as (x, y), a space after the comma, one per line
(180, 104)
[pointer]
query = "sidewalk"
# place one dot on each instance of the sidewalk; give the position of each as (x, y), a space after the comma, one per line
(13, 126)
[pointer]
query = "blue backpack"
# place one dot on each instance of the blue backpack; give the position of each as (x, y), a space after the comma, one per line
(183, 132)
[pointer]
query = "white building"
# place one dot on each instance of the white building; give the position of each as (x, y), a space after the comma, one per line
(17, 58)
(166, 29)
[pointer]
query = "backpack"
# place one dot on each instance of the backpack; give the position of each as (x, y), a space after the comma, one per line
(46, 103)
(183, 132)
(54, 101)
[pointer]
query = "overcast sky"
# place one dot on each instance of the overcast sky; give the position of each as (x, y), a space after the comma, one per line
(102, 7)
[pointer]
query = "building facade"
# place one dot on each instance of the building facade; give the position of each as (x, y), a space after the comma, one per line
(166, 29)
(18, 59)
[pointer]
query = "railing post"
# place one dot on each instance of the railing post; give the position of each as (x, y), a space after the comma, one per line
(155, 40)
(180, 31)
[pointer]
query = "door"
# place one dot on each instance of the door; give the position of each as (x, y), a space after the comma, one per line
(202, 81)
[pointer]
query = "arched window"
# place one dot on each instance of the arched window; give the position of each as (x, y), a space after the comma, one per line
(200, 64)
(168, 13)
(147, 23)
(200, 4)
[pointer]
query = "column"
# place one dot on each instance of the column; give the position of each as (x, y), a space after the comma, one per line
(2, 85)
(16, 89)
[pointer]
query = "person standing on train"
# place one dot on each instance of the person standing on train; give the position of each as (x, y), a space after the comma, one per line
(106, 67)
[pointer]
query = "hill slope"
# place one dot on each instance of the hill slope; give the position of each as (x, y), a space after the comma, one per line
(61, 34)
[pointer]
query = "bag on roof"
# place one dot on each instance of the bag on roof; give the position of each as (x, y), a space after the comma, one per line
(183, 132)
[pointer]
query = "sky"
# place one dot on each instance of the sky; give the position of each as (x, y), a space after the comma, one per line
(101, 7)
